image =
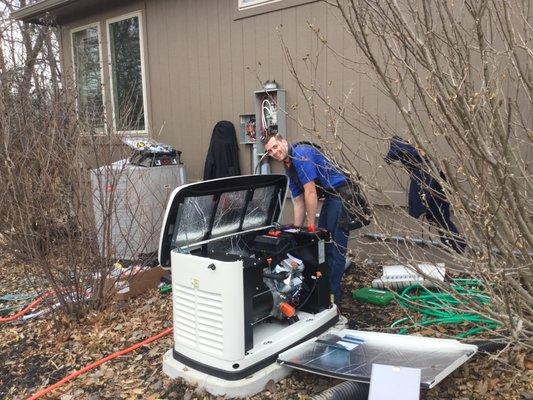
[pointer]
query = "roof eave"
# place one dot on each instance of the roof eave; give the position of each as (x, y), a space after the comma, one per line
(41, 12)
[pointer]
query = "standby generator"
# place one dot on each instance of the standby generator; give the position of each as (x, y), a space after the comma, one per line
(244, 288)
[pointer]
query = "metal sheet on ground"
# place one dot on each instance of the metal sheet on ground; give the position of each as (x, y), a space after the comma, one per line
(350, 354)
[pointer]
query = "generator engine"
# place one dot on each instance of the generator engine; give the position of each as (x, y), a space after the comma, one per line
(283, 277)
(285, 284)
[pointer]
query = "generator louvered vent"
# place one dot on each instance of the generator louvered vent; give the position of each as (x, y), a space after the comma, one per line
(198, 318)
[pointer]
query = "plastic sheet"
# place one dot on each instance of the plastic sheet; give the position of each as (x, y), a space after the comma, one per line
(192, 222)
(236, 245)
(257, 212)
(349, 355)
(195, 213)
(229, 212)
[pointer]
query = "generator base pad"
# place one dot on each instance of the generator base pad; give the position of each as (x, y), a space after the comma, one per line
(241, 388)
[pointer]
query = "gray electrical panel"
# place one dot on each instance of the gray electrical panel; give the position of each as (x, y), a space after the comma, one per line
(276, 99)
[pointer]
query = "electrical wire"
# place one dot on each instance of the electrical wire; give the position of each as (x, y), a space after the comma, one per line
(26, 309)
(299, 307)
(267, 114)
(259, 162)
(9, 310)
(77, 373)
(17, 297)
(438, 308)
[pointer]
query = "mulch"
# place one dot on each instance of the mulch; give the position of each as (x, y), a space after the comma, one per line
(41, 351)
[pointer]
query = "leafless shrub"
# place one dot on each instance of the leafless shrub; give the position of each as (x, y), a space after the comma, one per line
(459, 75)
(69, 214)
(63, 215)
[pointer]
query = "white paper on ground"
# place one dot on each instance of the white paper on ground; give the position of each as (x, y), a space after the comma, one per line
(390, 382)
(122, 287)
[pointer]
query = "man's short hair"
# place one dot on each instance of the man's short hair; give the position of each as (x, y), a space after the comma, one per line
(269, 135)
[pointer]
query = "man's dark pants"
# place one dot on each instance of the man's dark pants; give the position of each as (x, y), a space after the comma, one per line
(335, 250)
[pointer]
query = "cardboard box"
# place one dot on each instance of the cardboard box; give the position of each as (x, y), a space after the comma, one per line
(128, 286)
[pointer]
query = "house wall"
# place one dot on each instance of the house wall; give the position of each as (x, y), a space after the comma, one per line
(202, 65)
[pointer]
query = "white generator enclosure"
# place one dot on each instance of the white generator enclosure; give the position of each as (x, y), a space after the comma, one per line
(243, 288)
(129, 204)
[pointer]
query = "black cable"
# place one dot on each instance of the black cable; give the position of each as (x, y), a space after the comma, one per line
(281, 276)
(308, 296)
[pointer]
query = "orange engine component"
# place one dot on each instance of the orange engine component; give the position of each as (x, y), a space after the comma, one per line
(287, 310)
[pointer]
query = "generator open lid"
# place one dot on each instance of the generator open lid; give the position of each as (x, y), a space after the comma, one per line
(208, 210)
(349, 354)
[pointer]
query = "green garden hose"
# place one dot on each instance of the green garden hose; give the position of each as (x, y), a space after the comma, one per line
(438, 308)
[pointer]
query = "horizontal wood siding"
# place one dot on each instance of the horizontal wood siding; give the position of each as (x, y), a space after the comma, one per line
(203, 66)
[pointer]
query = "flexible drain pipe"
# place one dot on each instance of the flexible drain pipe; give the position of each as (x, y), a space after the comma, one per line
(403, 239)
(344, 391)
(424, 242)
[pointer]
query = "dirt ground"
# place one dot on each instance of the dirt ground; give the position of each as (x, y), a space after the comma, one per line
(39, 352)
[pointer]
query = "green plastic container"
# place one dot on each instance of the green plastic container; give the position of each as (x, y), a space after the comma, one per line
(166, 288)
(375, 296)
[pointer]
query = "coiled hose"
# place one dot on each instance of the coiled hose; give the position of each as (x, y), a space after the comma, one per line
(344, 391)
(439, 308)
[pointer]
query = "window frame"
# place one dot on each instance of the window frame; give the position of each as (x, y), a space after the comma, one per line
(74, 67)
(264, 7)
(108, 22)
(253, 3)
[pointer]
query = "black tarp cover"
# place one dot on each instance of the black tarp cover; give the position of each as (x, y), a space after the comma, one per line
(222, 158)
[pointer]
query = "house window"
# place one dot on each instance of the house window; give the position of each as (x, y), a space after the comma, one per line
(243, 4)
(88, 76)
(127, 74)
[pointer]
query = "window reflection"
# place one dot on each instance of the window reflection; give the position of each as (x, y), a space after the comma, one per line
(85, 44)
(126, 75)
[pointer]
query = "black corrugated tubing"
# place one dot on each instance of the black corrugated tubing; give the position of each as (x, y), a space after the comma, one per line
(344, 391)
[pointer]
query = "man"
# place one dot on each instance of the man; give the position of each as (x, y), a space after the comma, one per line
(306, 166)
(426, 195)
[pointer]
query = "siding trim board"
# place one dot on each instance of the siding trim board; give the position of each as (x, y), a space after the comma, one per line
(60, 12)
(36, 11)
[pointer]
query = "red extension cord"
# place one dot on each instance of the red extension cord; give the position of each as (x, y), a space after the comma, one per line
(25, 309)
(75, 374)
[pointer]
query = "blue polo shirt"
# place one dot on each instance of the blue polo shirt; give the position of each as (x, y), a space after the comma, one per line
(309, 165)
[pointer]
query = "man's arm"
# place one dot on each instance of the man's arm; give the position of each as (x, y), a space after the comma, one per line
(299, 210)
(311, 202)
